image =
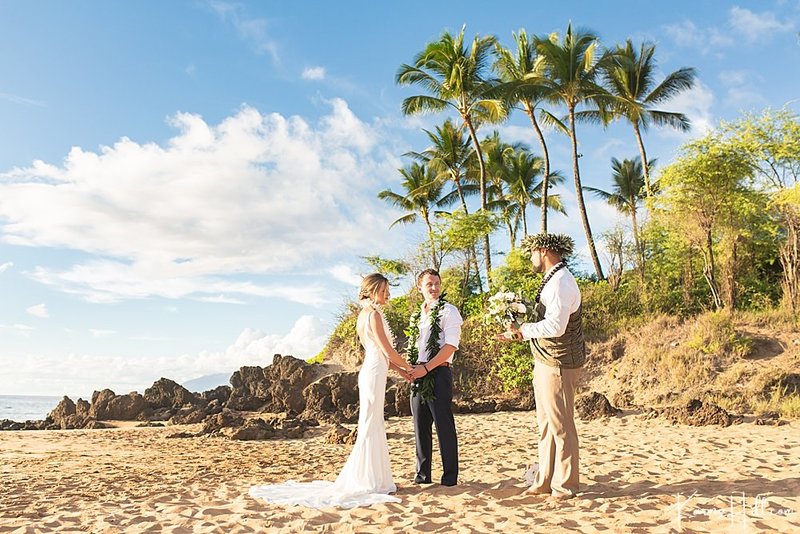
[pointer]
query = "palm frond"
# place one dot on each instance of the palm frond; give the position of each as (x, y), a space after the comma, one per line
(676, 82)
(423, 104)
(409, 218)
(679, 121)
(548, 119)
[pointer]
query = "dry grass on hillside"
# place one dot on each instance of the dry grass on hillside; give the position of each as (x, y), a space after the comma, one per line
(745, 363)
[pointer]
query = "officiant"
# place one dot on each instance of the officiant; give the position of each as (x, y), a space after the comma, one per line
(559, 350)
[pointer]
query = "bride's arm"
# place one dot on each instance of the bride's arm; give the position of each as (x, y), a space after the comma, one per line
(376, 324)
(402, 372)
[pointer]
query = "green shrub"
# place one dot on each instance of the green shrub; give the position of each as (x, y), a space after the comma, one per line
(605, 311)
(344, 338)
(714, 334)
(517, 275)
(488, 366)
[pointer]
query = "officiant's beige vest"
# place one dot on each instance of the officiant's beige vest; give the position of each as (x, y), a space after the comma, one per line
(567, 351)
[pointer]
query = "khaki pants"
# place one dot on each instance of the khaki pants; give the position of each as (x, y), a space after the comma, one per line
(554, 390)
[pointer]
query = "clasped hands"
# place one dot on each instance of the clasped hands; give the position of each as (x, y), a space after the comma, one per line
(414, 373)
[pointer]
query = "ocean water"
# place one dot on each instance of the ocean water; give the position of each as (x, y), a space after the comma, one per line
(24, 407)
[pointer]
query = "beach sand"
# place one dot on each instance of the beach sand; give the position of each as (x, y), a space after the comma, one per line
(637, 476)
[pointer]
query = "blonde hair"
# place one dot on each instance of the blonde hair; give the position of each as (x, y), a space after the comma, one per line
(371, 284)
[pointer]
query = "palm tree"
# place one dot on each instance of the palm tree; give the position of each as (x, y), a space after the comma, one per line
(520, 88)
(498, 153)
(631, 80)
(422, 195)
(455, 76)
(448, 156)
(524, 188)
(570, 70)
(628, 184)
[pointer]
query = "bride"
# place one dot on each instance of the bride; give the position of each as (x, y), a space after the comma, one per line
(366, 477)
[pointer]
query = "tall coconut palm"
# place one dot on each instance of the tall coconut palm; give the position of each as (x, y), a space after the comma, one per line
(448, 155)
(421, 197)
(571, 68)
(524, 187)
(520, 87)
(456, 76)
(631, 80)
(498, 153)
(626, 195)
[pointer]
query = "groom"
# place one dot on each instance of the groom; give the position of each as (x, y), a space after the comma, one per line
(559, 352)
(437, 364)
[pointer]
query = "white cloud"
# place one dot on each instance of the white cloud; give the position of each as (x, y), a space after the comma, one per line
(757, 26)
(741, 22)
(735, 77)
(306, 338)
(612, 147)
(745, 99)
(6, 266)
(742, 90)
(21, 329)
(255, 194)
(314, 73)
(705, 40)
(221, 299)
(253, 31)
(105, 281)
(22, 100)
(81, 374)
(39, 310)
(346, 274)
(101, 333)
(696, 104)
(602, 217)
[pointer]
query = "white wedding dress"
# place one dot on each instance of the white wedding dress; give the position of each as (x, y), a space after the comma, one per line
(367, 476)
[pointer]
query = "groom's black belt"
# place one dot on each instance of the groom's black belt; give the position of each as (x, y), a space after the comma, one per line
(445, 364)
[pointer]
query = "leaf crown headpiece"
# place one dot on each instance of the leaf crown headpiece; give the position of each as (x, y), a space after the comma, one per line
(561, 244)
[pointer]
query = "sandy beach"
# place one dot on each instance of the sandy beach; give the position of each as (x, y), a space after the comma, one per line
(637, 476)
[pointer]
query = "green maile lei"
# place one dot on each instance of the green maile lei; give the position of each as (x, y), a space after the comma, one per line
(424, 386)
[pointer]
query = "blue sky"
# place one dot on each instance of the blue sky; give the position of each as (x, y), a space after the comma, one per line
(187, 186)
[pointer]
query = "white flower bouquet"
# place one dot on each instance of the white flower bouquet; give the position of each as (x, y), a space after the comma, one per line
(506, 308)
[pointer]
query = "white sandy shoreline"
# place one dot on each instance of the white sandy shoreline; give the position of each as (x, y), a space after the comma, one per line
(637, 476)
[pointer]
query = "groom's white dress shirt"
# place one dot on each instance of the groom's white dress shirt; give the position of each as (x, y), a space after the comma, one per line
(450, 320)
(561, 298)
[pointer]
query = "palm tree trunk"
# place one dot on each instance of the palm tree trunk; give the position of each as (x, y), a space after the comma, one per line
(546, 159)
(525, 221)
(457, 181)
(433, 242)
(477, 268)
(637, 243)
(481, 166)
(645, 167)
(473, 259)
(482, 179)
(579, 195)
